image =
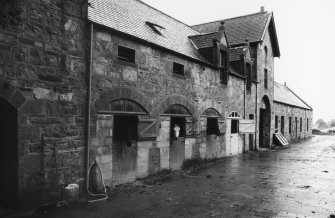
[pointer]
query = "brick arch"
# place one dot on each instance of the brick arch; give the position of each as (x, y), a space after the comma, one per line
(176, 99)
(11, 94)
(211, 104)
(122, 92)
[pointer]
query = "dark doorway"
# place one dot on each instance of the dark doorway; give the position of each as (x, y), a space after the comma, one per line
(124, 148)
(276, 124)
(212, 131)
(296, 127)
(251, 142)
(282, 125)
(8, 155)
(265, 123)
(177, 145)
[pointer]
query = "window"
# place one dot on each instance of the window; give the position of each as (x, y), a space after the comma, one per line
(265, 55)
(251, 116)
(212, 126)
(290, 125)
(234, 126)
(178, 121)
(177, 109)
(125, 129)
(235, 115)
(248, 66)
(307, 124)
(126, 54)
(223, 67)
(223, 59)
(123, 106)
(276, 123)
(178, 69)
(300, 124)
(211, 112)
(265, 78)
(282, 124)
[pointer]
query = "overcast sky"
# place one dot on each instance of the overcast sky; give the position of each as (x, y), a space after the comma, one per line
(306, 34)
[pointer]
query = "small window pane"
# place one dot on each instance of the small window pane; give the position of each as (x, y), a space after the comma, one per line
(210, 112)
(117, 105)
(126, 54)
(131, 106)
(178, 68)
(177, 109)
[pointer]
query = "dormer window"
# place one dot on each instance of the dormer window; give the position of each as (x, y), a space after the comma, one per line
(178, 69)
(223, 67)
(248, 76)
(126, 54)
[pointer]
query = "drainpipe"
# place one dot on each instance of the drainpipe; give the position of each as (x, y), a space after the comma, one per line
(88, 110)
(88, 127)
(256, 117)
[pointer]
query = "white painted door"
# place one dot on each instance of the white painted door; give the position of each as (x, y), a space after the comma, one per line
(234, 143)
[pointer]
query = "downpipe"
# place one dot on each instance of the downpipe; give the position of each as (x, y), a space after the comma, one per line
(88, 129)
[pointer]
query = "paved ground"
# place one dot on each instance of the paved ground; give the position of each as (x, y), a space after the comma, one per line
(297, 181)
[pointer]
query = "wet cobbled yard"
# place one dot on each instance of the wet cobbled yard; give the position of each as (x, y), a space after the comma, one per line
(293, 181)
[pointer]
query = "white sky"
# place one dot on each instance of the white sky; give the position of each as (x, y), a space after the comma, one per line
(306, 35)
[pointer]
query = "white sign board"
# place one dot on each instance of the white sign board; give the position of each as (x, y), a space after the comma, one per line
(247, 126)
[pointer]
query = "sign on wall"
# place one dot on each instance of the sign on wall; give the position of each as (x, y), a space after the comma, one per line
(247, 126)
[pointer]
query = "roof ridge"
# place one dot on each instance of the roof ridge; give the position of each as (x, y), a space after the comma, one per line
(167, 15)
(231, 18)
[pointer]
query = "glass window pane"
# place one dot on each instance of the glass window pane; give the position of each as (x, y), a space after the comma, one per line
(210, 112)
(177, 109)
(117, 105)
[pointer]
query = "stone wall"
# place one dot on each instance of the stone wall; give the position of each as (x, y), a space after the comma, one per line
(294, 112)
(151, 75)
(43, 73)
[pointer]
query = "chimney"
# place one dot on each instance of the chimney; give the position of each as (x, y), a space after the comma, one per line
(262, 9)
(285, 84)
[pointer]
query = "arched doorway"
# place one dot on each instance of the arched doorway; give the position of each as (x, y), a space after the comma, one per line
(213, 120)
(175, 119)
(8, 155)
(118, 131)
(265, 123)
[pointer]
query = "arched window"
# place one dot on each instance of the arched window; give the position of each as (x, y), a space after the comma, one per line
(123, 106)
(234, 115)
(211, 112)
(177, 109)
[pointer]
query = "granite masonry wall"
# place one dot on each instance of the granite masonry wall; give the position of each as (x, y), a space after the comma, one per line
(151, 83)
(43, 75)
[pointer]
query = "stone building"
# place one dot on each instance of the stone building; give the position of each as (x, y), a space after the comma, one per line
(123, 84)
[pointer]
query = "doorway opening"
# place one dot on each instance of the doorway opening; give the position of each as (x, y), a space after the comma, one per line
(265, 123)
(8, 155)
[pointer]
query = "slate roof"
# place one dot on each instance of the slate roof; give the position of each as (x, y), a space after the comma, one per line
(235, 53)
(285, 95)
(130, 17)
(239, 28)
(203, 40)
